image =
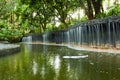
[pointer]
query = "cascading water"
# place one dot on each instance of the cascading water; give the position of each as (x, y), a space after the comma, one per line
(96, 33)
(45, 38)
(27, 39)
(99, 33)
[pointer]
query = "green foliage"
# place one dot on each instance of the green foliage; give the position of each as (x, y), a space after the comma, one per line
(61, 26)
(62, 8)
(84, 18)
(101, 15)
(115, 10)
(23, 17)
(8, 33)
(50, 27)
(3, 24)
(42, 11)
(74, 21)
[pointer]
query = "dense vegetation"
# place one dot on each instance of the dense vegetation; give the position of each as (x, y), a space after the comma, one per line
(22, 17)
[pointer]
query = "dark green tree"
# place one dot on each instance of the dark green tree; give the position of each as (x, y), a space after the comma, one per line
(48, 9)
(38, 13)
(63, 7)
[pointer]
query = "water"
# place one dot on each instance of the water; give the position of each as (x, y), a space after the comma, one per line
(44, 62)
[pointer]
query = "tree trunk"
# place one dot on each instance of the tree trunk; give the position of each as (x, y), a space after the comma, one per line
(97, 5)
(65, 24)
(89, 10)
(92, 5)
(62, 19)
(43, 26)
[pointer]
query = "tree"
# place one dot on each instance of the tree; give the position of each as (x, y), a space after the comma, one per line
(2, 5)
(46, 10)
(92, 7)
(97, 5)
(39, 13)
(62, 8)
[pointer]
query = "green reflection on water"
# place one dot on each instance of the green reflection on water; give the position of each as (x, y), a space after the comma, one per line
(42, 62)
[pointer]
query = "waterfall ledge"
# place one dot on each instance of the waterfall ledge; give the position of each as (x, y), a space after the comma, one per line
(83, 48)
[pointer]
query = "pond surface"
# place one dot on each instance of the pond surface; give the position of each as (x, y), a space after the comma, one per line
(43, 62)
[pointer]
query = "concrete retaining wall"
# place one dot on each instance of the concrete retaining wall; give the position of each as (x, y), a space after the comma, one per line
(7, 49)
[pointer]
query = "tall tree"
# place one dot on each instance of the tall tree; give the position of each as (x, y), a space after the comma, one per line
(2, 5)
(47, 9)
(6, 10)
(97, 5)
(92, 7)
(40, 12)
(62, 8)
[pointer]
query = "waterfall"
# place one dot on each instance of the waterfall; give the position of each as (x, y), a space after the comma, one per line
(98, 33)
(45, 38)
(79, 35)
(27, 39)
(68, 37)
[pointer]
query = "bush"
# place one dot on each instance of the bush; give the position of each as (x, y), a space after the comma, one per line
(115, 10)
(83, 19)
(9, 34)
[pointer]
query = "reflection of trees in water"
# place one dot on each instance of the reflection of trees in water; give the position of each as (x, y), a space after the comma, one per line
(96, 67)
(47, 63)
(104, 66)
(75, 69)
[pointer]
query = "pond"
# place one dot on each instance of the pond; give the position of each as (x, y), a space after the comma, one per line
(45, 62)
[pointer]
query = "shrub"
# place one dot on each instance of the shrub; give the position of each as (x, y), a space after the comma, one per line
(9, 34)
(115, 10)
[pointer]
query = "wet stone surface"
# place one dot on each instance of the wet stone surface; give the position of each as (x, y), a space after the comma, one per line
(7, 49)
